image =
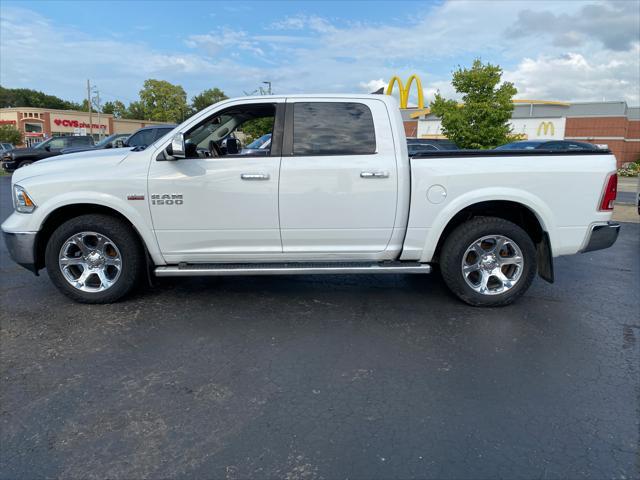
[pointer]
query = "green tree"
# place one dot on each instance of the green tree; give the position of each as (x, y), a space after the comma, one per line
(206, 98)
(482, 120)
(10, 134)
(257, 127)
(135, 111)
(25, 97)
(115, 108)
(108, 107)
(163, 101)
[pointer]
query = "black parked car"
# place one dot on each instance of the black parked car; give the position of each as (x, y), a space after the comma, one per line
(547, 145)
(417, 145)
(19, 157)
(5, 147)
(112, 141)
(147, 135)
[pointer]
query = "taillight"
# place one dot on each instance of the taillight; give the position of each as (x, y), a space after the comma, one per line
(609, 194)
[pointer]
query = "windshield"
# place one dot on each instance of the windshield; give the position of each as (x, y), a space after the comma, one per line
(42, 144)
(107, 140)
(259, 142)
(519, 146)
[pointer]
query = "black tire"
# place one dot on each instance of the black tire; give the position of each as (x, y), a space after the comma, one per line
(122, 235)
(462, 237)
(24, 163)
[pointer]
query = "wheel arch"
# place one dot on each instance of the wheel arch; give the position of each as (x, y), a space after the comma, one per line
(27, 158)
(514, 211)
(61, 214)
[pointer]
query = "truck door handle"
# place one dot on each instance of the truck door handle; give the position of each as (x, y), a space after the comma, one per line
(254, 176)
(374, 174)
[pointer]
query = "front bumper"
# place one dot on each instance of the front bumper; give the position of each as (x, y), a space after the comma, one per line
(601, 236)
(22, 248)
(9, 165)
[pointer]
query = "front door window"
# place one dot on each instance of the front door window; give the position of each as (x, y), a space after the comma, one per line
(233, 132)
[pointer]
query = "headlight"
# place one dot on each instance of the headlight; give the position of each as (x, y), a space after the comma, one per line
(21, 200)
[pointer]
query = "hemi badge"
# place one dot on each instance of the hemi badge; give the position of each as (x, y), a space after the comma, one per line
(135, 197)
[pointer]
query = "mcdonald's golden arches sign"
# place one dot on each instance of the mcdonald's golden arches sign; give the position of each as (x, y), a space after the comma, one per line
(547, 128)
(405, 90)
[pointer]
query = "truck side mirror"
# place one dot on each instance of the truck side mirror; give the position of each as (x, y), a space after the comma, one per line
(177, 146)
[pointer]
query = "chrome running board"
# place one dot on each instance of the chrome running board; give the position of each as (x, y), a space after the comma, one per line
(292, 268)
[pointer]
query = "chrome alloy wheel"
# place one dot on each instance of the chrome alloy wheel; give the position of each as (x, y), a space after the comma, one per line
(90, 261)
(492, 264)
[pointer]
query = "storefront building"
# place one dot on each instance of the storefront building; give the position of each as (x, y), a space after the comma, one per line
(37, 124)
(611, 124)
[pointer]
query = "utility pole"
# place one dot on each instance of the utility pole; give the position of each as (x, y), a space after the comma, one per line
(89, 101)
(99, 110)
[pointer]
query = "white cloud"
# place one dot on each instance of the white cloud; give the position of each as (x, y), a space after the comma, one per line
(227, 40)
(38, 54)
(303, 22)
(614, 24)
(373, 85)
(609, 75)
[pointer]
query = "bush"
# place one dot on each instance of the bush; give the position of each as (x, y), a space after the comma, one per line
(10, 134)
(630, 169)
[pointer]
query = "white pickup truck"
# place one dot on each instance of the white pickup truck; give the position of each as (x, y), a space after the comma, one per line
(336, 192)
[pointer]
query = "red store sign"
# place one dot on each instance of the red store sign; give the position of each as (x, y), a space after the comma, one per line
(76, 124)
(7, 122)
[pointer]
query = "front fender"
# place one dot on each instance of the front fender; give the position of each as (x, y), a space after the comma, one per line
(137, 215)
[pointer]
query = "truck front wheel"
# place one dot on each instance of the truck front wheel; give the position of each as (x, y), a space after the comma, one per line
(488, 261)
(94, 258)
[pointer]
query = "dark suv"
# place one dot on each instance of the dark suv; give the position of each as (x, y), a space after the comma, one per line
(147, 135)
(19, 157)
(548, 145)
(112, 141)
(418, 145)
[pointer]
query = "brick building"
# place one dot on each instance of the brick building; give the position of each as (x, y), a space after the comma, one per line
(613, 124)
(37, 124)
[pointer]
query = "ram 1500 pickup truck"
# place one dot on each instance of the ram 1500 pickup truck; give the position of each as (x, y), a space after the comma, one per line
(337, 193)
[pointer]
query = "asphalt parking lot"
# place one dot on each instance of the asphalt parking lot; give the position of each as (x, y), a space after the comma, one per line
(324, 377)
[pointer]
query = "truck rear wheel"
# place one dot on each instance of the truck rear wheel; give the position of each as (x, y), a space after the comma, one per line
(488, 261)
(94, 259)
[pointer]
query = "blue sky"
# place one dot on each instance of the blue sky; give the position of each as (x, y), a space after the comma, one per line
(561, 50)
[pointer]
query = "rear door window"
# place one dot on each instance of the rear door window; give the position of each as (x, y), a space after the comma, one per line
(57, 143)
(333, 128)
(78, 141)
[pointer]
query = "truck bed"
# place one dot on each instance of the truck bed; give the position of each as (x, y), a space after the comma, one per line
(561, 188)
